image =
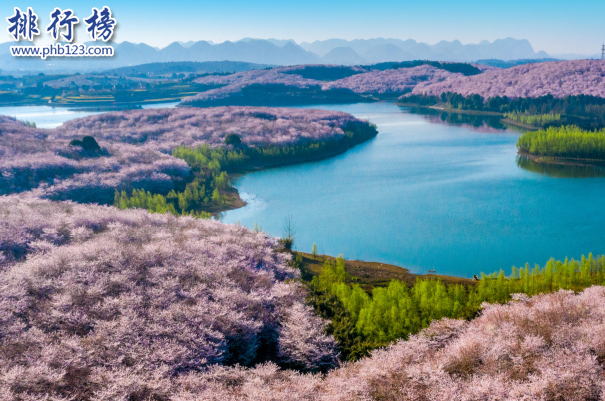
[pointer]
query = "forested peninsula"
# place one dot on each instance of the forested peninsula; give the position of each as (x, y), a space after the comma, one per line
(180, 161)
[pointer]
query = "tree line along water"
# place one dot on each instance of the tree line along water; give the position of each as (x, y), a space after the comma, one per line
(568, 141)
(207, 189)
(362, 320)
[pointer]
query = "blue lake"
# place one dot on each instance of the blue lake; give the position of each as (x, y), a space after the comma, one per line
(427, 195)
(424, 194)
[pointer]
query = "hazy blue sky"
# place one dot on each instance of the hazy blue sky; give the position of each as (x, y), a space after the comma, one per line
(555, 26)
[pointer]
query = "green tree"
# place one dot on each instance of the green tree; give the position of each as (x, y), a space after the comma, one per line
(398, 310)
(233, 139)
(216, 196)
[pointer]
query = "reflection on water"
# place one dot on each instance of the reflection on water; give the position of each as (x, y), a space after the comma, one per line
(483, 123)
(560, 170)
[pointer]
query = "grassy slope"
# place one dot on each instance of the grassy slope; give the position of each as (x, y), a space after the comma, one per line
(371, 274)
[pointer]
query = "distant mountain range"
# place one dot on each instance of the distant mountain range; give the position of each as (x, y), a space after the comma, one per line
(130, 54)
(175, 67)
(379, 50)
(280, 52)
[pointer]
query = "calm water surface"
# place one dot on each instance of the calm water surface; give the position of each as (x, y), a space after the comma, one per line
(51, 117)
(427, 195)
(424, 194)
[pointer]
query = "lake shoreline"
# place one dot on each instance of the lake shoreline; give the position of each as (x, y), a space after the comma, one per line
(92, 106)
(519, 124)
(449, 110)
(564, 161)
(237, 202)
(390, 201)
(503, 119)
(371, 274)
(398, 236)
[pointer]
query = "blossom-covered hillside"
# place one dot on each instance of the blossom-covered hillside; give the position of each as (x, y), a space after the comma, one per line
(560, 79)
(165, 129)
(135, 147)
(393, 81)
(273, 75)
(549, 347)
(92, 79)
(234, 83)
(106, 304)
(364, 81)
(43, 161)
(103, 304)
